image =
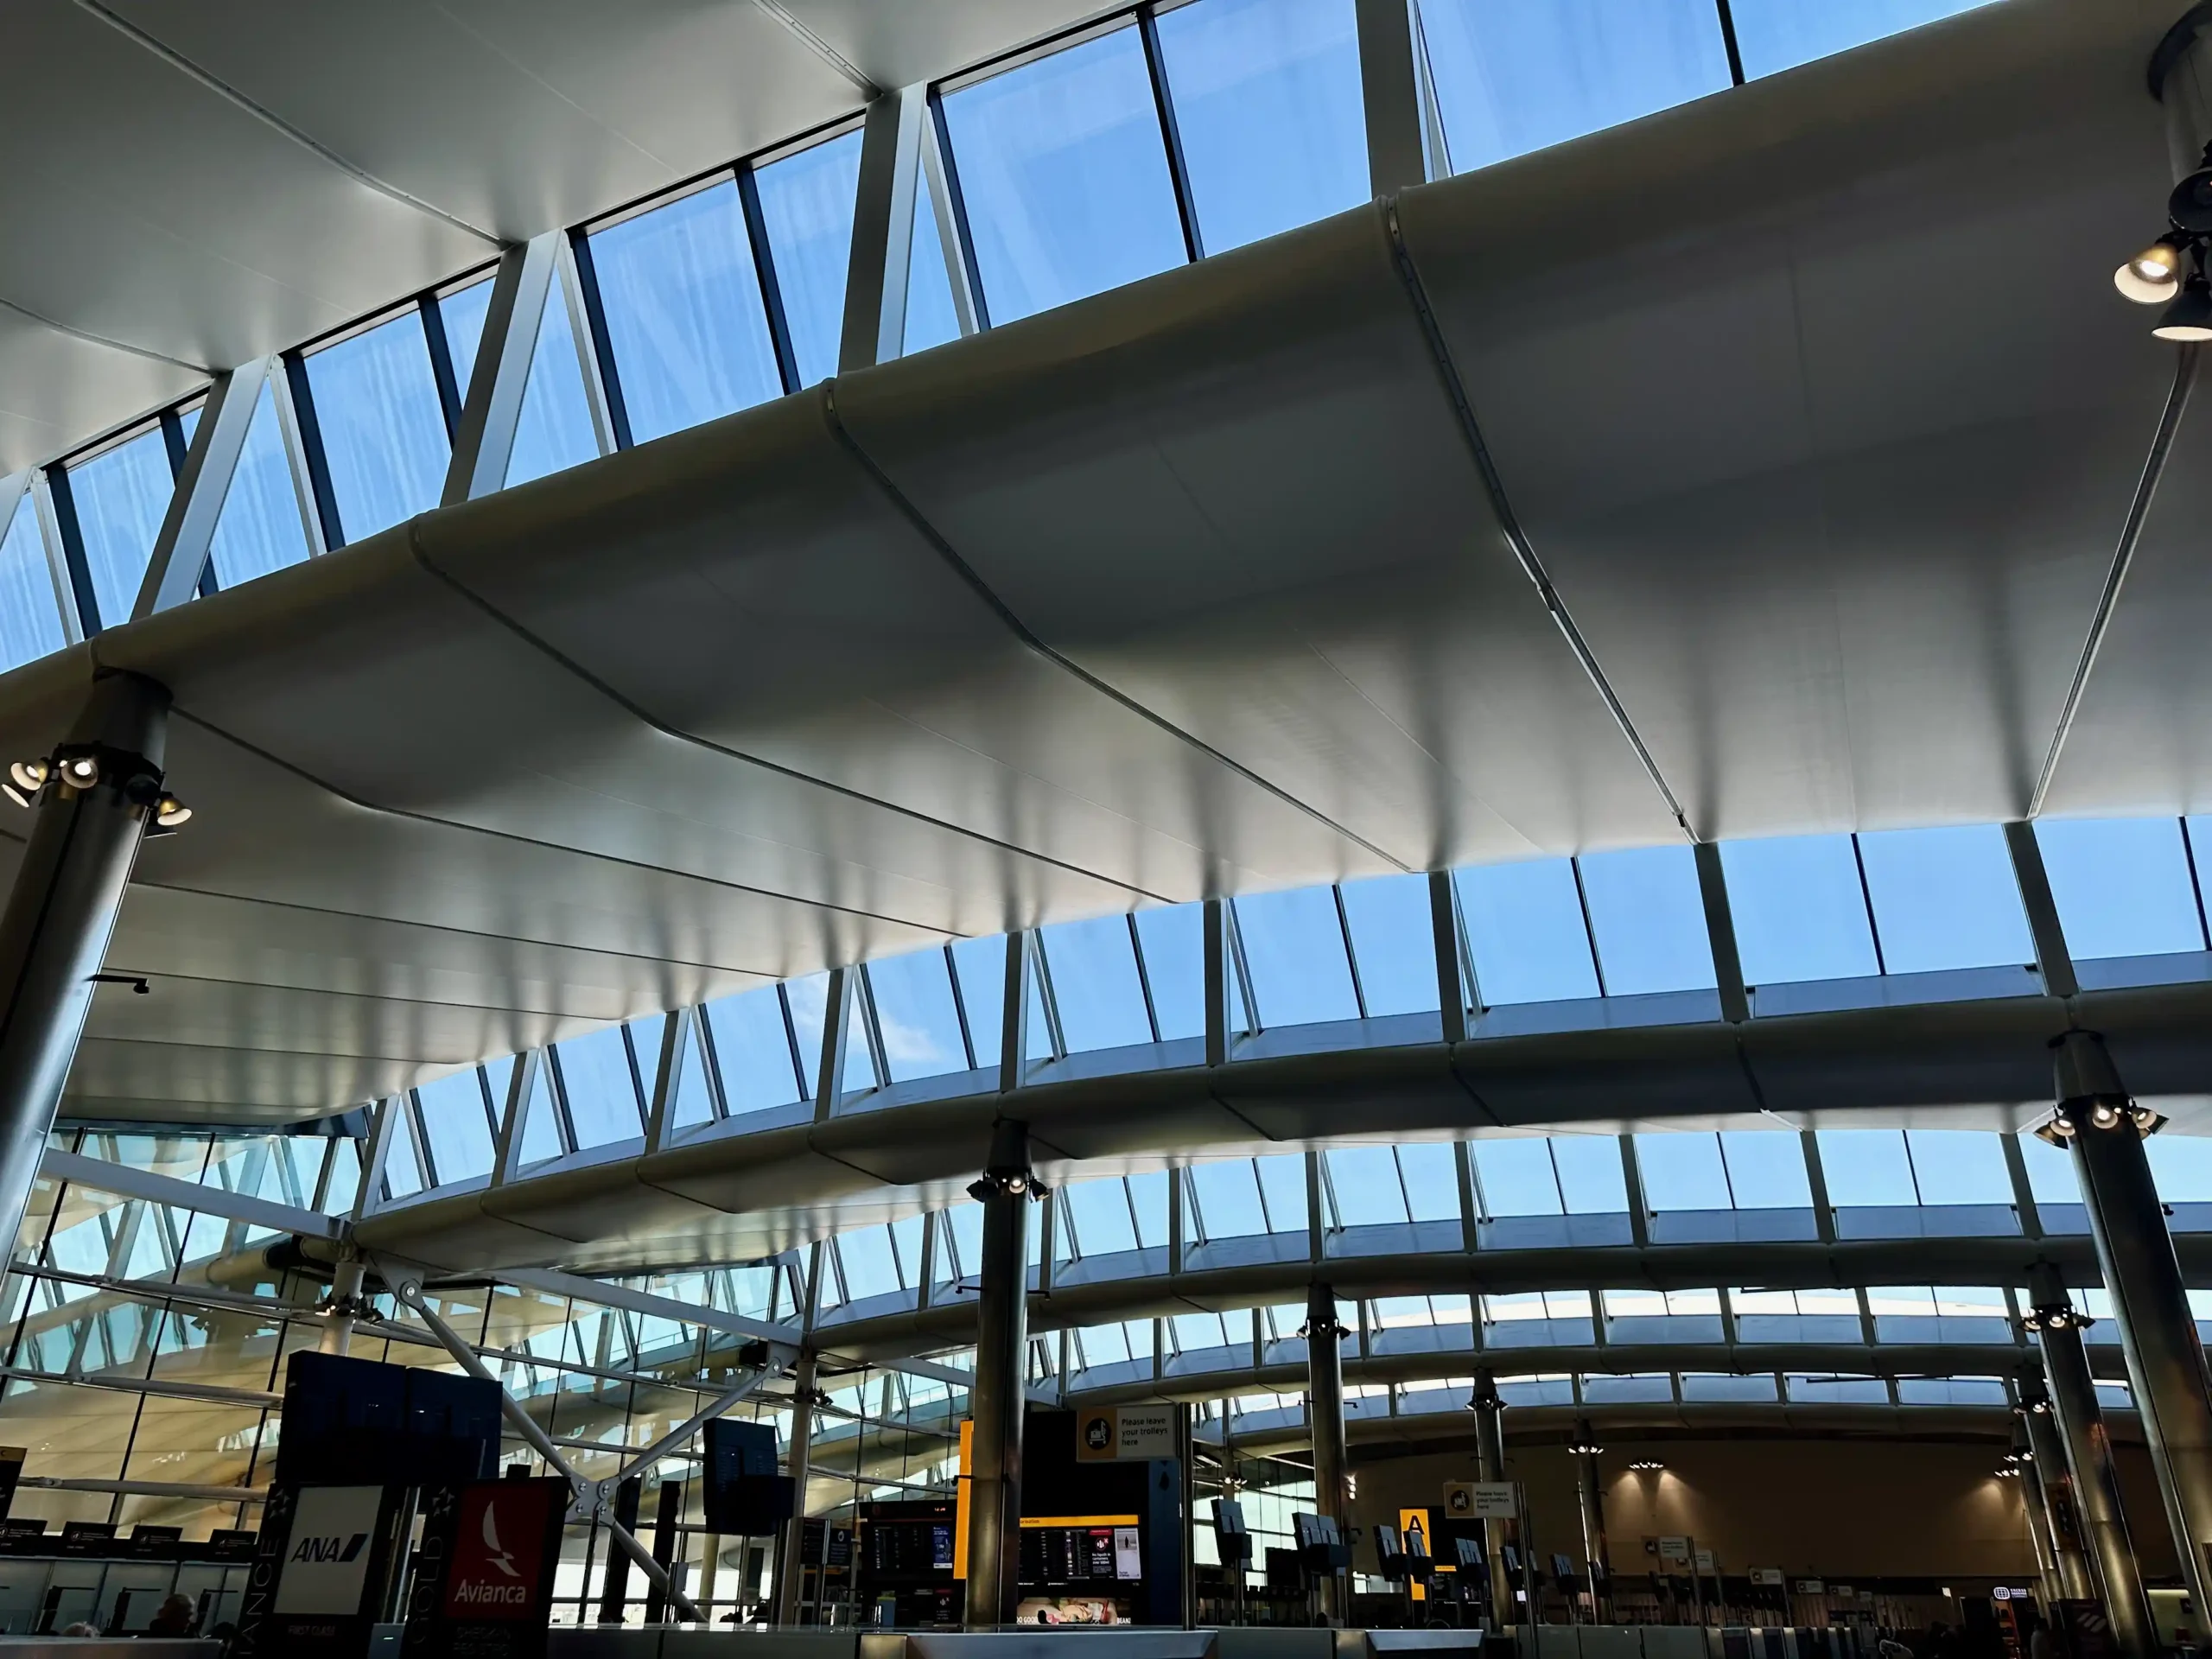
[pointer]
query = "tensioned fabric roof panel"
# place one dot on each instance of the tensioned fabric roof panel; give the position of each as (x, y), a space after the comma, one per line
(1194, 587)
(192, 186)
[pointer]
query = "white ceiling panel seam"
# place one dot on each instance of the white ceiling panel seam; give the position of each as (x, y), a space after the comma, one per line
(593, 853)
(1463, 410)
(1029, 638)
(2123, 556)
(222, 89)
(666, 728)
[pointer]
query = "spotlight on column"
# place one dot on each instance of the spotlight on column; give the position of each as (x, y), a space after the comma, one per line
(2151, 277)
(169, 812)
(30, 776)
(81, 770)
(1647, 1466)
(1584, 1449)
(2188, 319)
(2146, 1121)
(2104, 1115)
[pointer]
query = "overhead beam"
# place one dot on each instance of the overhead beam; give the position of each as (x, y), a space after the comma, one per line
(883, 229)
(124, 1181)
(1390, 92)
(492, 409)
(188, 533)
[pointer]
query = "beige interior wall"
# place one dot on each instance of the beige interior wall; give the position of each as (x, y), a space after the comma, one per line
(1833, 1509)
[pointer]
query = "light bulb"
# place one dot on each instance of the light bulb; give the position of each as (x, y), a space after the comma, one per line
(2150, 276)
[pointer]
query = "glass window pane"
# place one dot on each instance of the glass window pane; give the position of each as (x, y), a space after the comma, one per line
(555, 429)
(809, 1000)
(752, 1052)
(1866, 1166)
(2122, 886)
(1945, 899)
(806, 205)
(1100, 1211)
(1511, 78)
(1959, 1166)
(1590, 1178)
(1267, 105)
(689, 1102)
(1431, 1172)
(980, 967)
(931, 319)
(1514, 1176)
(541, 1131)
(2050, 1171)
(1766, 1169)
(1175, 967)
(1295, 946)
(461, 314)
(30, 614)
(1649, 920)
(870, 1270)
(2182, 1166)
(402, 1174)
(1798, 909)
(1228, 1198)
(684, 318)
(1094, 972)
(384, 430)
(602, 1095)
(1525, 926)
(1282, 1184)
(1065, 175)
(914, 1011)
(120, 498)
(1395, 943)
(1776, 35)
(260, 529)
(1365, 1181)
(452, 1113)
(1682, 1171)
(1148, 1198)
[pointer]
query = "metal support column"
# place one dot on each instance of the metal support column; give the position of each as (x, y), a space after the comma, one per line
(2022, 1457)
(2051, 1484)
(1000, 1391)
(2165, 1362)
(1490, 1466)
(491, 410)
(2086, 1444)
(344, 1305)
(92, 801)
(1592, 1495)
(410, 1290)
(883, 228)
(797, 1462)
(1324, 1410)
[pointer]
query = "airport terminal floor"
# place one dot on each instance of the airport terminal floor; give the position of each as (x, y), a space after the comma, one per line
(1232, 816)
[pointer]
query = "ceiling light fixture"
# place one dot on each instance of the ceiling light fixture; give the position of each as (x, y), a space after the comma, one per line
(1647, 1466)
(1584, 1449)
(2188, 319)
(2153, 276)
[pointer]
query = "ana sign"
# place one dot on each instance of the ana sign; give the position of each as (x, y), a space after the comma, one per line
(327, 1556)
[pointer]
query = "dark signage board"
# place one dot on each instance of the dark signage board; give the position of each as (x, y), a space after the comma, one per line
(484, 1582)
(318, 1574)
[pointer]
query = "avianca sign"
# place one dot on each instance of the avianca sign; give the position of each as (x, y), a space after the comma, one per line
(499, 1560)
